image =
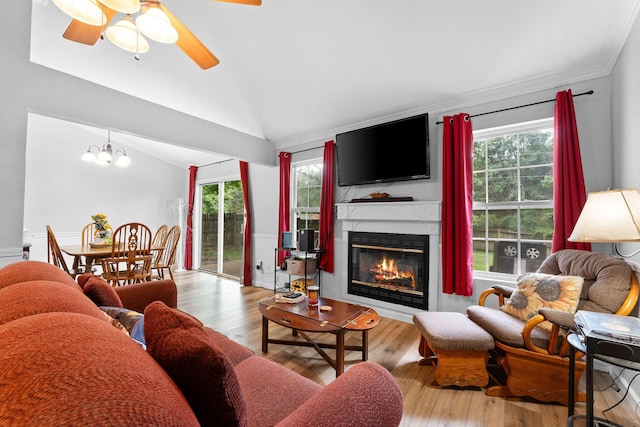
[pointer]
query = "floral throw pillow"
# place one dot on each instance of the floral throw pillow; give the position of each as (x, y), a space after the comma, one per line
(536, 290)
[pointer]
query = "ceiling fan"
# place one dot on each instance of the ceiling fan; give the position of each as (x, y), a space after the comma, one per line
(154, 20)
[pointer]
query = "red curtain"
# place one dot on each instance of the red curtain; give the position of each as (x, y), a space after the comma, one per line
(569, 194)
(284, 213)
(457, 199)
(246, 250)
(188, 250)
(326, 209)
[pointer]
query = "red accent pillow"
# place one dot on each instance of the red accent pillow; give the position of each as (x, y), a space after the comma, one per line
(201, 370)
(101, 293)
(84, 278)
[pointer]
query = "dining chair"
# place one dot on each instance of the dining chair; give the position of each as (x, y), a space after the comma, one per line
(168, 255)
(130, 260)
(88, 233)
(55, 257)
(159, 241)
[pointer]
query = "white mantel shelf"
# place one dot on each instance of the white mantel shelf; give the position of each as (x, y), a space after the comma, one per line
(416, 217)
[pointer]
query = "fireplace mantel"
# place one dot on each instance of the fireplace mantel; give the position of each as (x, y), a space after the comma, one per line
(394, 217)
(416, 217)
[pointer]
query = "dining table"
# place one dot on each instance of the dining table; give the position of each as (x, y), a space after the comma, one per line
(92, 253)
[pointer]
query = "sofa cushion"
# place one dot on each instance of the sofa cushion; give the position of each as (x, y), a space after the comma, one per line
(205, 375)
(537, 290)
(260, 377)
(234, 351)
(25, 271)
(72, 369)
(101, 292)
(41, 296)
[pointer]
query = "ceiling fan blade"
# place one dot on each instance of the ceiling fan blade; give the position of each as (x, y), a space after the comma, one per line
(248, 2)
(88, 34)
(190, 44)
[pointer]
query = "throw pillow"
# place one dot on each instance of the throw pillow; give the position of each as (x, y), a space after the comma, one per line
(101, 292)
(131, 321)
(536, 290)
(201, 370)
(83, 278)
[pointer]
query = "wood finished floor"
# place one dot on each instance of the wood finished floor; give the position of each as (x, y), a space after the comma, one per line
(232, 309)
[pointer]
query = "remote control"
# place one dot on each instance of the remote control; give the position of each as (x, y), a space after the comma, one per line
(293, 295)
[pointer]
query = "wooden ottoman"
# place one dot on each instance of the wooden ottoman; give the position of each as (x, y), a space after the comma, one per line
(456, 346)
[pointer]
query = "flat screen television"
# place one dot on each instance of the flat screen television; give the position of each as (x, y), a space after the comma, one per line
(394, 151)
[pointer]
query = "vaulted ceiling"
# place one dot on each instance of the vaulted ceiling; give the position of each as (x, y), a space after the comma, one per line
(294, 71)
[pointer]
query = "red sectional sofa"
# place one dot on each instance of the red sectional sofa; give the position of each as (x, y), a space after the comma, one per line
(63, 361)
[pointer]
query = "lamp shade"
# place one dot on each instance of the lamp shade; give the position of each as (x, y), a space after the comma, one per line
(609, 216)
(155, 24)
(122, 6)
(86, 11)
(125, 35)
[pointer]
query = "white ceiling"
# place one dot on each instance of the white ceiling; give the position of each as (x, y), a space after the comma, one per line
(295, 71)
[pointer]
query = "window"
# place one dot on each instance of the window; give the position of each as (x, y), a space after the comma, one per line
(512, 197)
(307, 179)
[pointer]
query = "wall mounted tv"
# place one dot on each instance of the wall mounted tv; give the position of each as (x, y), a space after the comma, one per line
(394, 151)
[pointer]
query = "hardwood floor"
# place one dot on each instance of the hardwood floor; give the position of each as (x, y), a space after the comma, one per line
(232, 309)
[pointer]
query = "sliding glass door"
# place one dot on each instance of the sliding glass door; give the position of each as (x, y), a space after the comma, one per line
(221, 231)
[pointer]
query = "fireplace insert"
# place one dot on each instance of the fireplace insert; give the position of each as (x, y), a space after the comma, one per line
(389, 267)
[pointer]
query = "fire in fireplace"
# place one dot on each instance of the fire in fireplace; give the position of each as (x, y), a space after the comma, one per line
(389, 267)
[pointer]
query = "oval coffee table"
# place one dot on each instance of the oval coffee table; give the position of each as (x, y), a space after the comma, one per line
(301, 318)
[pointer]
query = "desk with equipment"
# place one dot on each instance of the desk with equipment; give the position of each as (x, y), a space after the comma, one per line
(607, 337)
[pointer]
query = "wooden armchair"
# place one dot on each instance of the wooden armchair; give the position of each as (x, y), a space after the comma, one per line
(130, 260)
(535, 360)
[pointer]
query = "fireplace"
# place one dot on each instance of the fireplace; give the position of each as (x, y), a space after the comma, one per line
(389, 267)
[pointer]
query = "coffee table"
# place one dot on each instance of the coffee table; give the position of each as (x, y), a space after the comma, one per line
(301, 318)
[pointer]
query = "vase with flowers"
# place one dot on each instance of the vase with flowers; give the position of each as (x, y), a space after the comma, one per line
(102, 234)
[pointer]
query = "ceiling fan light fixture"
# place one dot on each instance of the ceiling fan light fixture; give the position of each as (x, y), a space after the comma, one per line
(155, 24)
(122, 6)
(86, 11)
(125, 35)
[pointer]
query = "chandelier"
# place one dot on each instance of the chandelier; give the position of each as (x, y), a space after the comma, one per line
(104, 156)
(127, 33)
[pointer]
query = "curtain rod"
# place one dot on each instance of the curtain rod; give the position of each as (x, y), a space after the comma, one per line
(590, 92)
(217, 163)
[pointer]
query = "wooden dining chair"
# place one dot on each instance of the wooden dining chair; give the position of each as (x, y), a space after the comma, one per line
(55, 257)
(88, 233)
(130, 260)
(159, 241)
(168, 255)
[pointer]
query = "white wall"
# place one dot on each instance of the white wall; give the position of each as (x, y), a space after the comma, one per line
(593, 117)
(625, 108)
(63, 191)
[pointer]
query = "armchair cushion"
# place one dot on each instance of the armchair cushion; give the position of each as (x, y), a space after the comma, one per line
(505, 328)
(537, 290)
(606, 278)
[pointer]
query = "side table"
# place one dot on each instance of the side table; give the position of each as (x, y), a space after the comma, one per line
(577, 345)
